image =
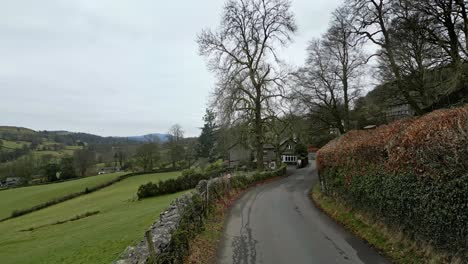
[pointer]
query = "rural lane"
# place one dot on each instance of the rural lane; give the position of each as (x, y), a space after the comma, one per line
(277, 223)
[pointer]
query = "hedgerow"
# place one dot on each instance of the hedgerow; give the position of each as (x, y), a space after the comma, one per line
(412, 174)
(188, 180)
(87, 190)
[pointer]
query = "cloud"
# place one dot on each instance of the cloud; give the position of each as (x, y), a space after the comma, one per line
(116, 67)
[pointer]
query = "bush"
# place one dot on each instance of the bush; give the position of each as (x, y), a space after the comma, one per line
(215, 166)
(191, 177)
(188, 180)
(411, 173)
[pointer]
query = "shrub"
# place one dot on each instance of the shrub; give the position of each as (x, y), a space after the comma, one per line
(188, 180)
(191, 177)
(215, 166)
(411, 173)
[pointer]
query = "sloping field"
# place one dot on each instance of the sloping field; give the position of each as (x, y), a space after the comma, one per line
(26, 197)
(11, 145)
(98, 238)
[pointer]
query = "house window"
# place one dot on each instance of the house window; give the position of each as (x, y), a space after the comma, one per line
(289, 146)
(287, 158)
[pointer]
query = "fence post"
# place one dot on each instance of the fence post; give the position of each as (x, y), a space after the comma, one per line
(151, 248)
(207, 193)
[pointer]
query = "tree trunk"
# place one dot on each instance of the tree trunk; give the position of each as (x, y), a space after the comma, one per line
(346, 102)
(259, 134)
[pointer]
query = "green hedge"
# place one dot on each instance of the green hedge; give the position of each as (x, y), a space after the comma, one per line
(188, 180)
(243, 181)
(411, 174)
(436, 212)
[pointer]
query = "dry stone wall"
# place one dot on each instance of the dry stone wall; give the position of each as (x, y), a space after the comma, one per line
(157, 246)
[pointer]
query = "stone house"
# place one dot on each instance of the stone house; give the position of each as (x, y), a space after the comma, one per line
(288, 151)
(239, 155)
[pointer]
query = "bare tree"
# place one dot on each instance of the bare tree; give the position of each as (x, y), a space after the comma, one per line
(317, 89)
(243, 54)
(175, 144)
(415, 54)
(84, 159)
(348, 58)
(330, 80)
(148, 155)
(372, 21)
(444, 23)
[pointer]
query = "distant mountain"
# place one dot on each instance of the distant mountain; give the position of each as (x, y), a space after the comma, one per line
(150, 137)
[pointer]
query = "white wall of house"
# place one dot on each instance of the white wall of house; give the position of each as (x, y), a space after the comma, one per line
(289, 158)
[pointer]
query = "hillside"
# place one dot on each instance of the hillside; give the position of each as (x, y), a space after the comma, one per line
(16, 142)
(384, 100)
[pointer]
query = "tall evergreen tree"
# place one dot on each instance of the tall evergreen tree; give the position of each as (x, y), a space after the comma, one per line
(206, 141)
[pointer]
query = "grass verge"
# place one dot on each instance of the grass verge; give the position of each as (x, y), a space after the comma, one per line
(390, 242)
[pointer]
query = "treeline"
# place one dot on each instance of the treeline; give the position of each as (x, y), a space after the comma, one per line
(31, 166)
(12, 154)
(39, 169)
(421, 50)
(417, 48)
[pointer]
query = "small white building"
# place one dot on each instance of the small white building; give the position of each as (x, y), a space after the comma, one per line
(12, 181)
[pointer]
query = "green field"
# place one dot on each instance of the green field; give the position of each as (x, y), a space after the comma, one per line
(26, 197)
(53, 153)
(18, 130)
(11, 145)
(95, 239)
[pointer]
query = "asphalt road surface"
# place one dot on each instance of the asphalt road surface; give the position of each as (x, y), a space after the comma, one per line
(277, 223)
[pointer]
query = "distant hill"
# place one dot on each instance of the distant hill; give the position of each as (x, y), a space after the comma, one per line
(150, 137)
(16, 142)
(19, 130)
(70, 138)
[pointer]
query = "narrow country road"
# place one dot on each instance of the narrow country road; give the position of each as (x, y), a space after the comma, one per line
(277, 223)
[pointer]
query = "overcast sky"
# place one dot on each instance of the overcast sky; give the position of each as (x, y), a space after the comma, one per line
(117, 67)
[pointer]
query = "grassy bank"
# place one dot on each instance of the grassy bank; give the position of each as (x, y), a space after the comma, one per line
(26, 197)
(97, 238)
(203, 247)
(392, 243)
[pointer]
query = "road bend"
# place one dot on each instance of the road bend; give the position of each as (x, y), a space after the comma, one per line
(277, 223)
